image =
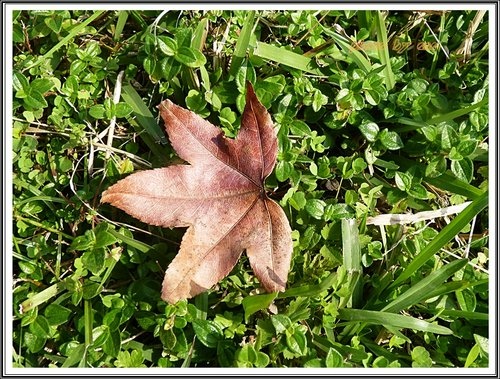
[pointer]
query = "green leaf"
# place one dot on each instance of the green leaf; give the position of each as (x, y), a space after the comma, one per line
(129, 240)
(113, 343)
(20, 83)
(208, 332)
(94, 260)
(296, 341)
(99, 335)
(90, 289)
(42, 85)
(318, 100)
(72, 33)
(359, 165)
(75, 356)
(34, 342)
(252, 304)
(449, 137)
(261, 359)
(334, 358)
(466, 300)
(246, 354)
(457, 113)
(244, 74)
(83, 242)
(120, 24)
(195, 101)
(402, 180)
(40, 327)
(190, 57)
(391, 140)
(123, 110)
(463, 169)
(351, 52)
(370, 130)
(167, 45)
(435, 167)
(35, 99)
(104, 238)
(149, 64)
(112, 319)
(281, 323)
(315, 207)
(300, 128)
(57, 314)
(284, 170)
(418, 191)
(77, 67)
(472, 356)
(98, 111)
(421, 357)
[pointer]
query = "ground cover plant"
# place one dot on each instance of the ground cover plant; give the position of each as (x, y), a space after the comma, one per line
(376, 114)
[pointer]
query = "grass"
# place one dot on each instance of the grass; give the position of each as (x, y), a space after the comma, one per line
(373, 117)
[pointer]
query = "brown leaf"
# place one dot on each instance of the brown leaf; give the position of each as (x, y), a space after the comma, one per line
(219, 196)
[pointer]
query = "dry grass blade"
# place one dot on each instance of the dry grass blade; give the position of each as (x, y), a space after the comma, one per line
(401, 218)
(466, 46)
(116, 98)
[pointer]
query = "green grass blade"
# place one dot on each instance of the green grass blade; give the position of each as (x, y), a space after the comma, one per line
(351, 52)
(350, 245)
(424, 288)
(442, 31)
(310, 290)
(286, 57)
(352, 257)
(200, 35)
(201, 304)
(44, 226)
(457, 113)
(454, 313)
(241, 47)
(120, 24)
(88, 326)
(391, 319)
(449, 287)
(450, 183)
(73, 32)
(365, 20)
(35, 191)
(137, 16)
(43, 198)
(111, 263)
(143, 120)
(383, 51)
(141, 246)
(444, 236)
(41, 297)
(142, 114)
(380, 351)
(446, 181)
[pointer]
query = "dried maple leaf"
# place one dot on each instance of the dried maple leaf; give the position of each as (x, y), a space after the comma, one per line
(219, 196)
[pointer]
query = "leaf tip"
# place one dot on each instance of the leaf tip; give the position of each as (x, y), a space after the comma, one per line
(250, 90)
